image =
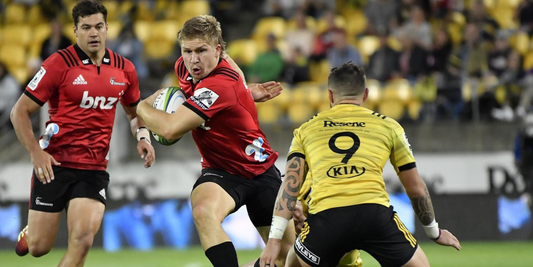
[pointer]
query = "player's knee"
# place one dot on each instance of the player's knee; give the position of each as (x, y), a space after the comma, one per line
(82, 240)
(202, 214)
(39, 248)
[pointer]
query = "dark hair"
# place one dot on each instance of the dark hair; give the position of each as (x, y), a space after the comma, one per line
(347, 80)
(86, 8)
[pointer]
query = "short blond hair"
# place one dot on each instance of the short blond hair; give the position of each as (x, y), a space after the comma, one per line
(203, 27)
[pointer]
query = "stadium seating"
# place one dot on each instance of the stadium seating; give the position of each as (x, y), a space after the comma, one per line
(15, 13)
(112, 10)
(20, 34)
(367, 46)
(142, 30)
(356, 24)
(113, 30)
(268, 112)
(165, 30)
(299, 113)
(243, 51)
(68, 31)
(267, 25)
(35, 16)
(520, 42)
(193, 8)
(13, 55)
(310, 23)
(319, 71)
(528, 61)
(322, 25)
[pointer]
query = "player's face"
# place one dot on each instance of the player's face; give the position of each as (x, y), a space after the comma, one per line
(91, 33)
(200, 57)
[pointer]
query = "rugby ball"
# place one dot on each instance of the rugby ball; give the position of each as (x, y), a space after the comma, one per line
(168, 100)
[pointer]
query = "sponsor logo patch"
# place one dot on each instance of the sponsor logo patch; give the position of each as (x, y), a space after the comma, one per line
(79, 80)
(40, 203)
(407, 143)
(204, 98)
(112, 81)
(102, 193)
(36, 79)
(306, 253)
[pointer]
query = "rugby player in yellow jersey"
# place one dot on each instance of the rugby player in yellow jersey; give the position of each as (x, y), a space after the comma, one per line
(345, 149)
(350, 259)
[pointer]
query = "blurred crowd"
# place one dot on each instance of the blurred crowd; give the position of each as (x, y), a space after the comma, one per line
(426, 60)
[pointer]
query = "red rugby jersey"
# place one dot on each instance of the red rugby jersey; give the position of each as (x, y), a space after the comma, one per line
(82, 99)
(230, 139)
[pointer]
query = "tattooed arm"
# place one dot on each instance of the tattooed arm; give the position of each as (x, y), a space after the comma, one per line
(285, 204)
(421, 201)
(288, 192)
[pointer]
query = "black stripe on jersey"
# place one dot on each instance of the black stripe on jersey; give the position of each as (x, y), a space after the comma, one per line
(296, 154)
(228, 72)
(181, 69)
(64, 58)
(195, 110)
(114, 59)
(121, 61)
(71, 56)
(407, 166)
(72, 62)
(32, 97)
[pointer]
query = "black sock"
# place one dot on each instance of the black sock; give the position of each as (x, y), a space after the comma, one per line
(257, 263)
(222, 255)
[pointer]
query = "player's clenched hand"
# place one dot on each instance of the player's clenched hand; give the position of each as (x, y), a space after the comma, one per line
(147, 152)
(298, 217)
(270, 253)
(262, 92)
(150, 100)
(448, 239)
(42, 165)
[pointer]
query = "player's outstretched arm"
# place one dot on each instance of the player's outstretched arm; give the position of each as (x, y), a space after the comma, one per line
(261, 92)
(141, 133)
(421, 201)
(283, 209)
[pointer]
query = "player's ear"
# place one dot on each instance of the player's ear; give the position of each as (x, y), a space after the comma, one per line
(75, 29)
(218, 50)
(365, 95)
(330, 96)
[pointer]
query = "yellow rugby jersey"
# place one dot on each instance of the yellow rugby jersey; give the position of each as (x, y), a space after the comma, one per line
(346, 149)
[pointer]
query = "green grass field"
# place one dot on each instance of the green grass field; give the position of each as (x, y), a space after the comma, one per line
(473, 254)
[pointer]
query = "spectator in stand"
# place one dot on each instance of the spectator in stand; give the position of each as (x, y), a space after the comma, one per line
(383, 63)
(486, 24)
(268, 65)
(380, 15)
(297, 68)
(449, 97)
(418, 29)
(282, 8)
(302, 36)
(412, 59)
(524, 13)
(56, 41)
(324, 41)
(497, 60)
(9, 93)
(473, 53)
(442, 48)
(128, 45)
(342, 51)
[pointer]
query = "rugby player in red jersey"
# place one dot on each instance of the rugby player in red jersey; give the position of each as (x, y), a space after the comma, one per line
(237, 160)
(83, 85)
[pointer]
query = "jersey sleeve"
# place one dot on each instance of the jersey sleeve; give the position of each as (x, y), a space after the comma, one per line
(211, 96)
(47, 80)
(132, 95)
(401, 156)
(296, 148)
